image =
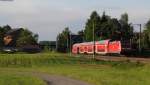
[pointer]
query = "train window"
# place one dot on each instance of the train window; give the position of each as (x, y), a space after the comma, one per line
(101, 48)
(90, 48)
(81, 49)
(85, 48)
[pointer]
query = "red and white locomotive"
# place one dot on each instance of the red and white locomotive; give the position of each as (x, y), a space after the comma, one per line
(101, 47)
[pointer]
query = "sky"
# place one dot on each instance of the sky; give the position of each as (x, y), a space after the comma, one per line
(50, 17)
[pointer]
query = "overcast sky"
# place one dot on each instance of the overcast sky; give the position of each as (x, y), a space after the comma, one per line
(49, 17)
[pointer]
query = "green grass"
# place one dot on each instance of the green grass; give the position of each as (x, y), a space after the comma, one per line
(104, 75)
(94, 72)
(8, 78)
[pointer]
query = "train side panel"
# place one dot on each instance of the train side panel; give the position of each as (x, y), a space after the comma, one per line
(114, 47)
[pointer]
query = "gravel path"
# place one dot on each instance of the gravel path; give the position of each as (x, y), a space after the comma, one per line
(51, 79)
(59, 80)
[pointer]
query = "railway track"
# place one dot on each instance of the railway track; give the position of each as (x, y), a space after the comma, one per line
(118, 58)
(131, 59)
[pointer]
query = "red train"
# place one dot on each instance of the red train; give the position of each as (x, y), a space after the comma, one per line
(101, 47)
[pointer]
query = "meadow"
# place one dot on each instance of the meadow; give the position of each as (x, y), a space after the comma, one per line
(76, 67)
(8, 78)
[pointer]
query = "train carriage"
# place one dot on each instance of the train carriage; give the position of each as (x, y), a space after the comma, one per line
(101, 47)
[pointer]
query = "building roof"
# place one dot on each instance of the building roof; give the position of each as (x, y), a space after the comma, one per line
(13, 31)
(47, 42)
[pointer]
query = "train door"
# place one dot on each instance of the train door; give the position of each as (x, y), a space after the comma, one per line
(102, 47)
(90, 49)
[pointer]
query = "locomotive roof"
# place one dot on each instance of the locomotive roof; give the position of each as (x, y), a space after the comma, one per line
(96, 42)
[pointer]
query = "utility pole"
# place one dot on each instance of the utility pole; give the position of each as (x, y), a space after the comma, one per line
(139, 47)
(67, 44)
(70, 43)
(140, 38)
(57, 43)
(93, 40)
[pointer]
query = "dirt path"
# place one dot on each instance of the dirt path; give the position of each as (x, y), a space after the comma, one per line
(49, 79)
(58, 80)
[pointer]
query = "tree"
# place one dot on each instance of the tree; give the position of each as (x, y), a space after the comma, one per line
(105, 28)
(36, 37)
(126, 28)
(114, 29)
(146, 35)
(93, 22)
(26, 37)
(63, 40)
(81, 32)
(124, 18)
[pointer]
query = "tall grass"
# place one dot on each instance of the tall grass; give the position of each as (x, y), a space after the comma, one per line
(30, 60)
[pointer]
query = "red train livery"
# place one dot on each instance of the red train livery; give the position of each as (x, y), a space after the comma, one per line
(101, 47)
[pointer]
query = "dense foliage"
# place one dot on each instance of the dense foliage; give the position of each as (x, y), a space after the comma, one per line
(146, 35)
(105, 27)
(26, 37)
(23, 37)
(63, 40)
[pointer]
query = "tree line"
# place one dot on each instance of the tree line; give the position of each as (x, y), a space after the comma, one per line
(106, 27)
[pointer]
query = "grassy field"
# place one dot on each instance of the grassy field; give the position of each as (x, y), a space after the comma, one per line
(11, 78)
(94, 72)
